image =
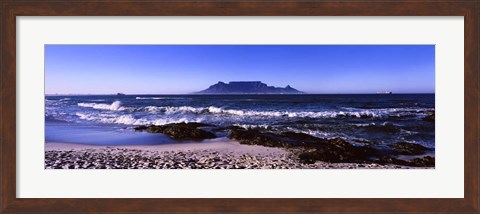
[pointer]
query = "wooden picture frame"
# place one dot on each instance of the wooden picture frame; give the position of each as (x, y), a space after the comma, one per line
(10, 9)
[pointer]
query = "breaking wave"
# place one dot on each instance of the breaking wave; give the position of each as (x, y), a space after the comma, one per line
(384, 127)
(131, 120)
(377, 119)
(115, 106)
(249, 113)
(117, 119)
(159, 98)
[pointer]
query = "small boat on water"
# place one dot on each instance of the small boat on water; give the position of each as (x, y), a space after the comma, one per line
(385, 92)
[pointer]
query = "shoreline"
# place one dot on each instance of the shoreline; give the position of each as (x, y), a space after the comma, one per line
(231, 146)
(209, 155)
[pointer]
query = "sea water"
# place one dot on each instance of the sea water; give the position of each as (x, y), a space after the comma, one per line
(109, 119)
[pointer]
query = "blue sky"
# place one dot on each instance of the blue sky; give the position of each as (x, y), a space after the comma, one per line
(178, 69)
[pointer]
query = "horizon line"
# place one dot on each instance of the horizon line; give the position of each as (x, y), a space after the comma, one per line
(124, 94)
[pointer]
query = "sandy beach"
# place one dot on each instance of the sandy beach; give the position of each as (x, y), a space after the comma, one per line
(211, 155)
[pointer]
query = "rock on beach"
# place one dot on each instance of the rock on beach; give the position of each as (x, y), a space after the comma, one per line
(304, 151)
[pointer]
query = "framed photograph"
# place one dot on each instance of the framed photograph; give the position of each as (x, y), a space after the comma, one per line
(288, 106)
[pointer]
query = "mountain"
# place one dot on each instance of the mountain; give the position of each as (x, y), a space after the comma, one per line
(247, 87)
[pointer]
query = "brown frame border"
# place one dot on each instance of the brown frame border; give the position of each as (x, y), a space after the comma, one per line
(469, 9)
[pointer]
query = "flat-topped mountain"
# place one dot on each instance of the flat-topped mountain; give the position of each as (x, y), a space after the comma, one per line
(248, 87)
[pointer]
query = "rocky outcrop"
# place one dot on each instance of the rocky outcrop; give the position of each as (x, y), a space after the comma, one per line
(310, 148)
(405, 148)
(427, 161)
(253, 87)
(306, 148)
(430, 118)
(180, 131)
(335, 151)
(255, 137)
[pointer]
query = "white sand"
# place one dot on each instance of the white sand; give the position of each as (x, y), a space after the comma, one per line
(231, 151)
(232, 147)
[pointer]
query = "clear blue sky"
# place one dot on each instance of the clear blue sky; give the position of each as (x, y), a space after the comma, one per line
(177, 69)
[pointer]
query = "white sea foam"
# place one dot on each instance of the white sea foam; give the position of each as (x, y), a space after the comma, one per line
(117, 119)
(50, 102)
(364, 124)
(163, 121)
(160, 98)
(115, 106)
(315, 133)
(128, 119)
(56, 102)
(392, 110)
(250, 126)
(149, 98)
(251, 113)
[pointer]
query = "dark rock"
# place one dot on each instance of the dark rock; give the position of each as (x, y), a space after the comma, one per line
(285, 139)
(195, 124)
(311, 149)
(140, 128)
(335, 151)
(255, 137)
(363, 141)
(427, 161)
(234, 128)
(228, 128)
(430, 118)
(405, 148)
(180, 131)
(299, 136)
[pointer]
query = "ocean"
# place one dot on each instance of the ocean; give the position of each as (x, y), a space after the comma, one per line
(109, 119)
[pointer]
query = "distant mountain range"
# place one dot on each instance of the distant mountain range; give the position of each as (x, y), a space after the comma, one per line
(248, 87)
